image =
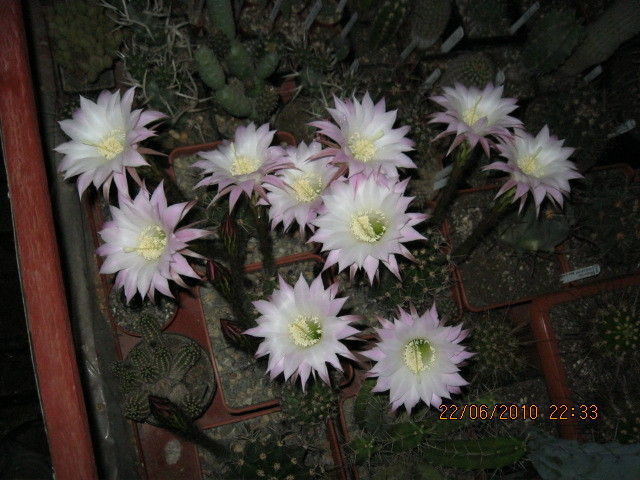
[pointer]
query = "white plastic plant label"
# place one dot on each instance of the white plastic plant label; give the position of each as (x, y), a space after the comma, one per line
(580, 273)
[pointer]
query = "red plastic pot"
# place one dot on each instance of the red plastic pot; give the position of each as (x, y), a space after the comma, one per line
(547, 342)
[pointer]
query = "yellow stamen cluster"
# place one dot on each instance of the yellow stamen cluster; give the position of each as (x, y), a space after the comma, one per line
(244, 165)
(305, 330)
(362, 149)
(307, 187)
(418, 355)
(472, 115)
(151, 243)
(111, 145)
(529, 164)
(369, 226)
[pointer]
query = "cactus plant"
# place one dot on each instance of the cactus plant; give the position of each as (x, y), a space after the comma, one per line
(84, 39)
(423, 279)
(168, 366)
(619, 23)
(237, 70)
(272, 458)
(428, 21)
(471, 69)
(484, 19)
(498, 350)
(616, 331)
(389, 16)
(552, 38)
(528, 232)
(315, 405)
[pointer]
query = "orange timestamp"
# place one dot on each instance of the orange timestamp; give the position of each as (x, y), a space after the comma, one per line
(472, 411)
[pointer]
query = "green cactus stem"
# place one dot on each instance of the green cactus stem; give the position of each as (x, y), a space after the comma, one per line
(483, 453)
(463, 161)
(221, 17)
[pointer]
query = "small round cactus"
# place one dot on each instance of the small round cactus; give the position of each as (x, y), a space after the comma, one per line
(272, 458)
(315, 405)
(472, 69)
(497, 347)
(617, 331)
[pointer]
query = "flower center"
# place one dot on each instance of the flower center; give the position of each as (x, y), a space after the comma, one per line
(244, 165)
(112, 144)
(305, 330)
(529, 164)
(418, 355)
(472, 115)
(151, 243)
(369, 226)
(307, 187)
(362, 149)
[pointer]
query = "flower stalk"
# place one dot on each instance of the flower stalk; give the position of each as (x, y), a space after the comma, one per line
(265, 241)
(231, 287)
(464, 159)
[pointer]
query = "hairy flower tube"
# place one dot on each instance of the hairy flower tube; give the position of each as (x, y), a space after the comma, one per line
(244, 164)
(366, 138)
(104, 141)
(144, 247)
(476, 116)
(416, 359)
(366, 223)
(305, 181)
(538, 165)
(302, 330)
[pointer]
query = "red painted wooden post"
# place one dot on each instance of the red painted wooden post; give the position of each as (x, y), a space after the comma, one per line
(43, 291)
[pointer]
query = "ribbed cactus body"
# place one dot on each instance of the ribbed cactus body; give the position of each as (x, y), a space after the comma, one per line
(234, 101)
(390, 15)
(185, 358)
(83, 37)
(221, 16)
(166, 371)
(551, 40)
(209, 68)
(428, 21)
(471, 69)
(267, 64)
(619, 23)
(484, 453)
(240, 63)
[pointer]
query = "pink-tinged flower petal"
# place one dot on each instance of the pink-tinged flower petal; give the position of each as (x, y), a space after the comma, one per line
(364, 223)
(104, 138)
(538, 165)
(299, 337)
(143, 246)
(366, 137)
(297, 193)
(476, 116)
(416, 359)
(242, 165)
